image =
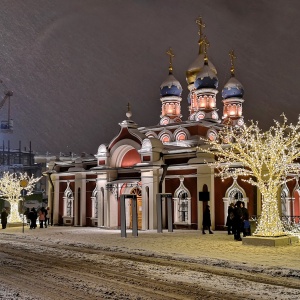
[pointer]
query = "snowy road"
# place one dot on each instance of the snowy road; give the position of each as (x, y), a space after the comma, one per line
(36, 266)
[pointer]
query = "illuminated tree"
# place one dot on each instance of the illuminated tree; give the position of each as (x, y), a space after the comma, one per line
(10, 190)
(268, 159)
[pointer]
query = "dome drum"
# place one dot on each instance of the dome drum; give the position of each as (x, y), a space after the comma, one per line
(170, 91)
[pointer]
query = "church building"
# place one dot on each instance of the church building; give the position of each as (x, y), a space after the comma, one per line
(164, 158)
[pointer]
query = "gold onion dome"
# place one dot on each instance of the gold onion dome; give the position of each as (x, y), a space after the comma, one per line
(198, 64)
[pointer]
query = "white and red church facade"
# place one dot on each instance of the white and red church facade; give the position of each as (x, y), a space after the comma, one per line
(165, 158)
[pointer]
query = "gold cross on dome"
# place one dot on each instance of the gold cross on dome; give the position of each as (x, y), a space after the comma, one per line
(201, 25)
(171, 55)
(128, 106)
(232, 58)
(205, 43)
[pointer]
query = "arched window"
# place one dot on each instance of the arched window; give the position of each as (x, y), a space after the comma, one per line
(285, 201)
(181, 134)
(165, 136)
(234, 193)
(68, 201)
(94, 199)
(182, 204)
(212, 134)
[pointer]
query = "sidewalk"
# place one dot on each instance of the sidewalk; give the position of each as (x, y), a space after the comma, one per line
(180, 243)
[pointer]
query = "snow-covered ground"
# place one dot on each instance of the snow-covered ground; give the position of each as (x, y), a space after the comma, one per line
(216, 251)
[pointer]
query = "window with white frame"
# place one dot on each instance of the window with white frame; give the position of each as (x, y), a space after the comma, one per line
(182, 204)
(94, 199)
(68, 201)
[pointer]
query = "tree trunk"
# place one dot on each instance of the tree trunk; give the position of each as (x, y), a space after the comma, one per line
(14, 216)
(269, 223)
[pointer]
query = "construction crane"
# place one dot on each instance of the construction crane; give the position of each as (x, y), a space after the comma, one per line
(6, 126)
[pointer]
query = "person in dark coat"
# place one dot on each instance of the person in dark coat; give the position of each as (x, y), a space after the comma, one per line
(246, 223)
(230, 216)
(238, 221)
(4, 215)
(32, 216)
(206, 220)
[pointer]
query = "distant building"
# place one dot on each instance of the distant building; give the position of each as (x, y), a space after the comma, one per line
(20, 161)
(164, 158)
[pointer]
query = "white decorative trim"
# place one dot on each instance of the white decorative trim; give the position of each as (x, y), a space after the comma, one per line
(68, 199)
(231, 191)
(285, 197)
(180, 190)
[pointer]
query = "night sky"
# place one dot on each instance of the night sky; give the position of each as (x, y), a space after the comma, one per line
(73, 65)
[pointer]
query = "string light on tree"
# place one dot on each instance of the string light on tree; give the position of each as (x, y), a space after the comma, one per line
(265, 158)
(10, 190)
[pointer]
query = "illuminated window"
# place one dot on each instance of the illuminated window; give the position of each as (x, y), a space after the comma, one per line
(200, 116)
(165, 138)
(212, 135)
(214, 115)
(181, 136)
(164, 121)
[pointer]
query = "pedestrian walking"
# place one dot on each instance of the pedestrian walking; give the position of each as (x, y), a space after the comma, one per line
(32, 216)
(206, 220)
(246, 223)
(4, 215)
(238, 220)
(42, 217)
(230, 217)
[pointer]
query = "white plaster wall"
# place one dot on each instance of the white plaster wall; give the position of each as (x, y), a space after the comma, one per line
(150, 178)
(205, 175)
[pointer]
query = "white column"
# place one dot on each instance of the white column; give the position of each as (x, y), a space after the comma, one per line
(150, 178)
(205, 175)
(55, 208)
(80, 183)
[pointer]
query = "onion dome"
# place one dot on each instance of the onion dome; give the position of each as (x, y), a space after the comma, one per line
(170, 87)
(206, 78)
(196, 67)
(198, 64)
(233, 88)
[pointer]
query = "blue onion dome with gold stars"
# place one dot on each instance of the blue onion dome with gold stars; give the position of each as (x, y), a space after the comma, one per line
(170, 87)
(206, 78)
(233, 88)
